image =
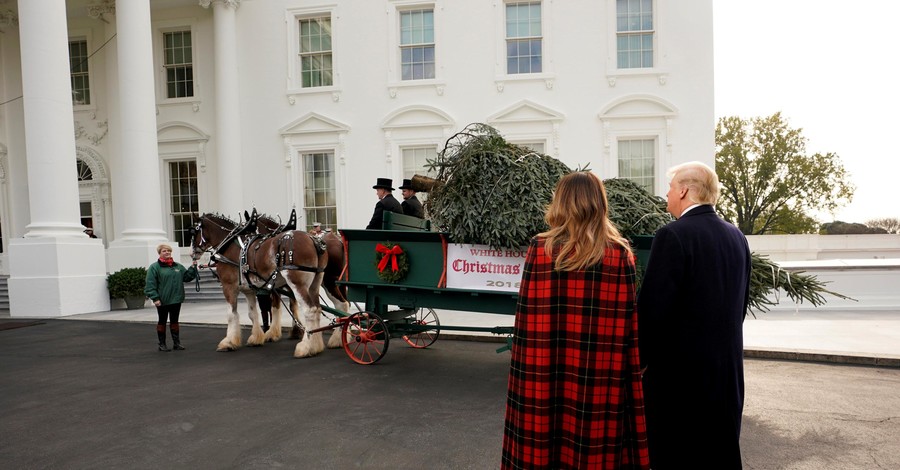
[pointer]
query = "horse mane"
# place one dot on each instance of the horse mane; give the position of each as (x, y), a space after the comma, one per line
(267, 224)
(220, 218)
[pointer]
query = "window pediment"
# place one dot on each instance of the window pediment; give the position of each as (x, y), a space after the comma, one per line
(312, 123)
(180, 132)
(417, 116)
(637, 106)
(525, 111)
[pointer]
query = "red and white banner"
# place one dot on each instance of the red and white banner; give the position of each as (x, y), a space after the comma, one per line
(480, 267)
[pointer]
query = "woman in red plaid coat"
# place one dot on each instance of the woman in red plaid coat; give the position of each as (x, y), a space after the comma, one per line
(575, 398)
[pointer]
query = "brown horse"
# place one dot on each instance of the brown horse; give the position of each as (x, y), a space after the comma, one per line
(334, 246)
(289, 262)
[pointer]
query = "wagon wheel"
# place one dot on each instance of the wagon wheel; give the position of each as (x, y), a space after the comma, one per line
(423, 339)
(365, 337)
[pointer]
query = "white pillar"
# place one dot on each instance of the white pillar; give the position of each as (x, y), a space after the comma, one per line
(55, 269)
(136, 170)
(228, 122)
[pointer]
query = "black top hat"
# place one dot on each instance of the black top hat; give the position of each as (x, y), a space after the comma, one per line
(407, 184)
(384, 183)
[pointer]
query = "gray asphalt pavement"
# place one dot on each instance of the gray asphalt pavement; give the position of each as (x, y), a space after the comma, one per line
(96, 394)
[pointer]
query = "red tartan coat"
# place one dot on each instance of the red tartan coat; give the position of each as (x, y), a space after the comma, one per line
(575, 398)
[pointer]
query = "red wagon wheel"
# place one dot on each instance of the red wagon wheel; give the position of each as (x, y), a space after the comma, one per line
(365, 337)
(423, 339)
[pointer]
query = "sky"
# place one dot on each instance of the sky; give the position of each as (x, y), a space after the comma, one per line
(830, 68)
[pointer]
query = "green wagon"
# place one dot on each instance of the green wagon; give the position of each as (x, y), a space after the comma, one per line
(405, 308)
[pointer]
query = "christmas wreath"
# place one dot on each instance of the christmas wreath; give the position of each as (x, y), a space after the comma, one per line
(391, 262)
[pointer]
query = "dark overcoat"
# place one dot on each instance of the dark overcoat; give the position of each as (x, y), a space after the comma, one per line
(412, 206)
(691, 308)
(387, 203)
(574, 397)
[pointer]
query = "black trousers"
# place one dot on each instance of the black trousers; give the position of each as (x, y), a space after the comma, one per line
(169, 312)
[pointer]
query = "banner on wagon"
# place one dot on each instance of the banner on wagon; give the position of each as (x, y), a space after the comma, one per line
(480, 267)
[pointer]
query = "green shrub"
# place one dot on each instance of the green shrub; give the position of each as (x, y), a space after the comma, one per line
(126, 282)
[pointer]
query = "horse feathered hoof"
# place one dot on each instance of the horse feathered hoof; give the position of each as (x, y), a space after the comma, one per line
(303, 350)
(334, 341)
(226, 345)
(273, 335)
(256, 340)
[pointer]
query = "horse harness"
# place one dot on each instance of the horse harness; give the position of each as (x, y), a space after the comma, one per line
(284, 258)
(246, 237)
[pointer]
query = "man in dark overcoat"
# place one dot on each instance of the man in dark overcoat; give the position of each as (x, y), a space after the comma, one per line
(386, 202)
(411, 204)
(691, 308)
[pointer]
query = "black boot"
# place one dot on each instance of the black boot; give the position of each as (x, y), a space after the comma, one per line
(176, 339)
(161, 334)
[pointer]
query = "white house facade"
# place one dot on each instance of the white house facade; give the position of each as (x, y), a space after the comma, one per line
(130, 117)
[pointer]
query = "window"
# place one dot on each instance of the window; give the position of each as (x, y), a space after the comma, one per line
(87, 218)
(179, 64)
(78, 70)
(320, 200)
(414, 161)
(185, 203)
(634, 33)
(315, 52)
(417, 44)
(533, 146)
(84, 171)
(523, 38)
(637, 162)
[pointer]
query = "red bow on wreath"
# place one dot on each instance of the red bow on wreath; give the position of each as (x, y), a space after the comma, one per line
(389, 254)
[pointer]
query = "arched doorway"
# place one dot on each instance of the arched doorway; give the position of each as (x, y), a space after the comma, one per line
(93, 192)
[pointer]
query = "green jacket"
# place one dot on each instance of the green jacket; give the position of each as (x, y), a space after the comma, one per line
(166, 284)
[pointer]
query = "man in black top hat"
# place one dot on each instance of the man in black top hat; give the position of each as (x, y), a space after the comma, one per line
(386, 203)
(411, 205)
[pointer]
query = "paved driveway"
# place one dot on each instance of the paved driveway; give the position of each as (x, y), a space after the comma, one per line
(84, 394)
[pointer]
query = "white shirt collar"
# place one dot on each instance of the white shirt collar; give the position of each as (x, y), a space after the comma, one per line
(689, 209)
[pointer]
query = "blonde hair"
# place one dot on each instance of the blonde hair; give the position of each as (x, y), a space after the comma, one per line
(701, 181)
(579, 223)
(160, 247)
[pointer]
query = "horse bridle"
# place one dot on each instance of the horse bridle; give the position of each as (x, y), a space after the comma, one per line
(197, 249)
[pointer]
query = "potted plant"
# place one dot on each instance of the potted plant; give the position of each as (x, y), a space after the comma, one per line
(128, 284)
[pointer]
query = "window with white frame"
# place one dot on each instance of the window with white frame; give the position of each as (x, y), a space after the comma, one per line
(87, 218)
(634, 34)
(417, 61)
(414, 161)
(533, 146)
(637, 162)
(183, 194)
(179, 64)
(320, 194)
(524, 41)
(78, 71)
(316, 67)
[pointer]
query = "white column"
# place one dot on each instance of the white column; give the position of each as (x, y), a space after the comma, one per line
(136, 169)
(55, 269)
(228, 122)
